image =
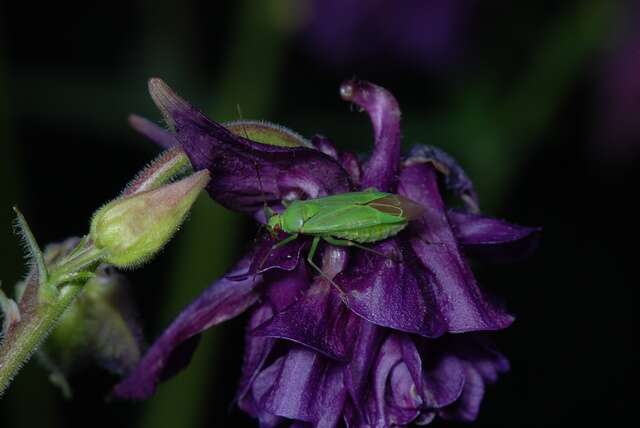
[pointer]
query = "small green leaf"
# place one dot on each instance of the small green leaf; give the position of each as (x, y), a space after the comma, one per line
(34, 252)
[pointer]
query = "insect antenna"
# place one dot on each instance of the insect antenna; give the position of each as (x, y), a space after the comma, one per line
(244, 129)
(267, 211)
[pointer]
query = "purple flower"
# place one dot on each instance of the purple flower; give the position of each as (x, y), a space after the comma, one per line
(618, 132)
(418, 33)
(380, 352)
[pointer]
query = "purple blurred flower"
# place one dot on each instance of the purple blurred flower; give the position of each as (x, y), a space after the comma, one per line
(377, 354)
(618, 132)
(419, 33)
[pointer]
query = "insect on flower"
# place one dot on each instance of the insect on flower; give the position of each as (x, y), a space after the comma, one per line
(379, 350)
(348, 219)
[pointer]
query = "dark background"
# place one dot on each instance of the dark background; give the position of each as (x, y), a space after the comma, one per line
(523, 98)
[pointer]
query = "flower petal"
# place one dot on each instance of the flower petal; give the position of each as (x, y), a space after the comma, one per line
(256, 351)
(459, 303)
(267, 256)
(443, 374)
(285, 290)
(467, 407)
(482, 365)
(492, 239)
(308, 388)
(155, 133)
(396, 396)
(260, 388)
(381, 169)
(480, 352)
(367, 344)
(319, 320)
(172, 351)
(456, 179)
(247, 174)
(392, 293)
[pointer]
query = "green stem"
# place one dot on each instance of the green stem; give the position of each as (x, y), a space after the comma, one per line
(40, 315)
(21, 342)
(75, 265)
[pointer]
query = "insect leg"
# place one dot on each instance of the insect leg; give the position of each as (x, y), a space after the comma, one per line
(347, 243)
(278, 245)
(312, 252)
(285, 241)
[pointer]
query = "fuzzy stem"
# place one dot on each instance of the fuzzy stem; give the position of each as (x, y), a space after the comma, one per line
(39, 314)
(22, 341)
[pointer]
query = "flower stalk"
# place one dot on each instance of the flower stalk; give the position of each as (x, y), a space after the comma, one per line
(42, 302)
(21, 341)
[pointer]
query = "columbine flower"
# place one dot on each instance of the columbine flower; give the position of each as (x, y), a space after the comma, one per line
(379, 353)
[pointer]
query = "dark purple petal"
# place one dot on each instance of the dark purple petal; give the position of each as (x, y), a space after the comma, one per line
(319, 320)
(478, 351)
(443, 374)
(256, 351)
(405, 382)
(223, 300)
(284, 290)
(246, 174)
(381, 169)
(155, 133)
(331, 396)
(457, 369)
(492, 239)
(396, 396)
(350, 163)
(456, 179)
(458, 300)
(393, 291)
(356, 372)
(254, 403)
(467, 407)
(269, 257)
(323, 144)
(307, 388)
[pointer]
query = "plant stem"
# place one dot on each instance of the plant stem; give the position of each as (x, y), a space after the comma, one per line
(40, 311)
(22, 341)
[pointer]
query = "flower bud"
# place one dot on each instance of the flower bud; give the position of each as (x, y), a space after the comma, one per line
(100, 328)
(159, 172)
(130, 230)
(8, 309)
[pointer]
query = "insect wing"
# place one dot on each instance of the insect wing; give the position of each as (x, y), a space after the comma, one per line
(334, 219)
(353, 198)
(398, 206)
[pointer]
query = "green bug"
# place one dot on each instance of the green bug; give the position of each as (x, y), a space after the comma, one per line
(348, 219)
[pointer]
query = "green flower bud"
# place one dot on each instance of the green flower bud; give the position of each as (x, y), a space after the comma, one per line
(130, 230)
(160, 171)
(100, 328)
(9, 310)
